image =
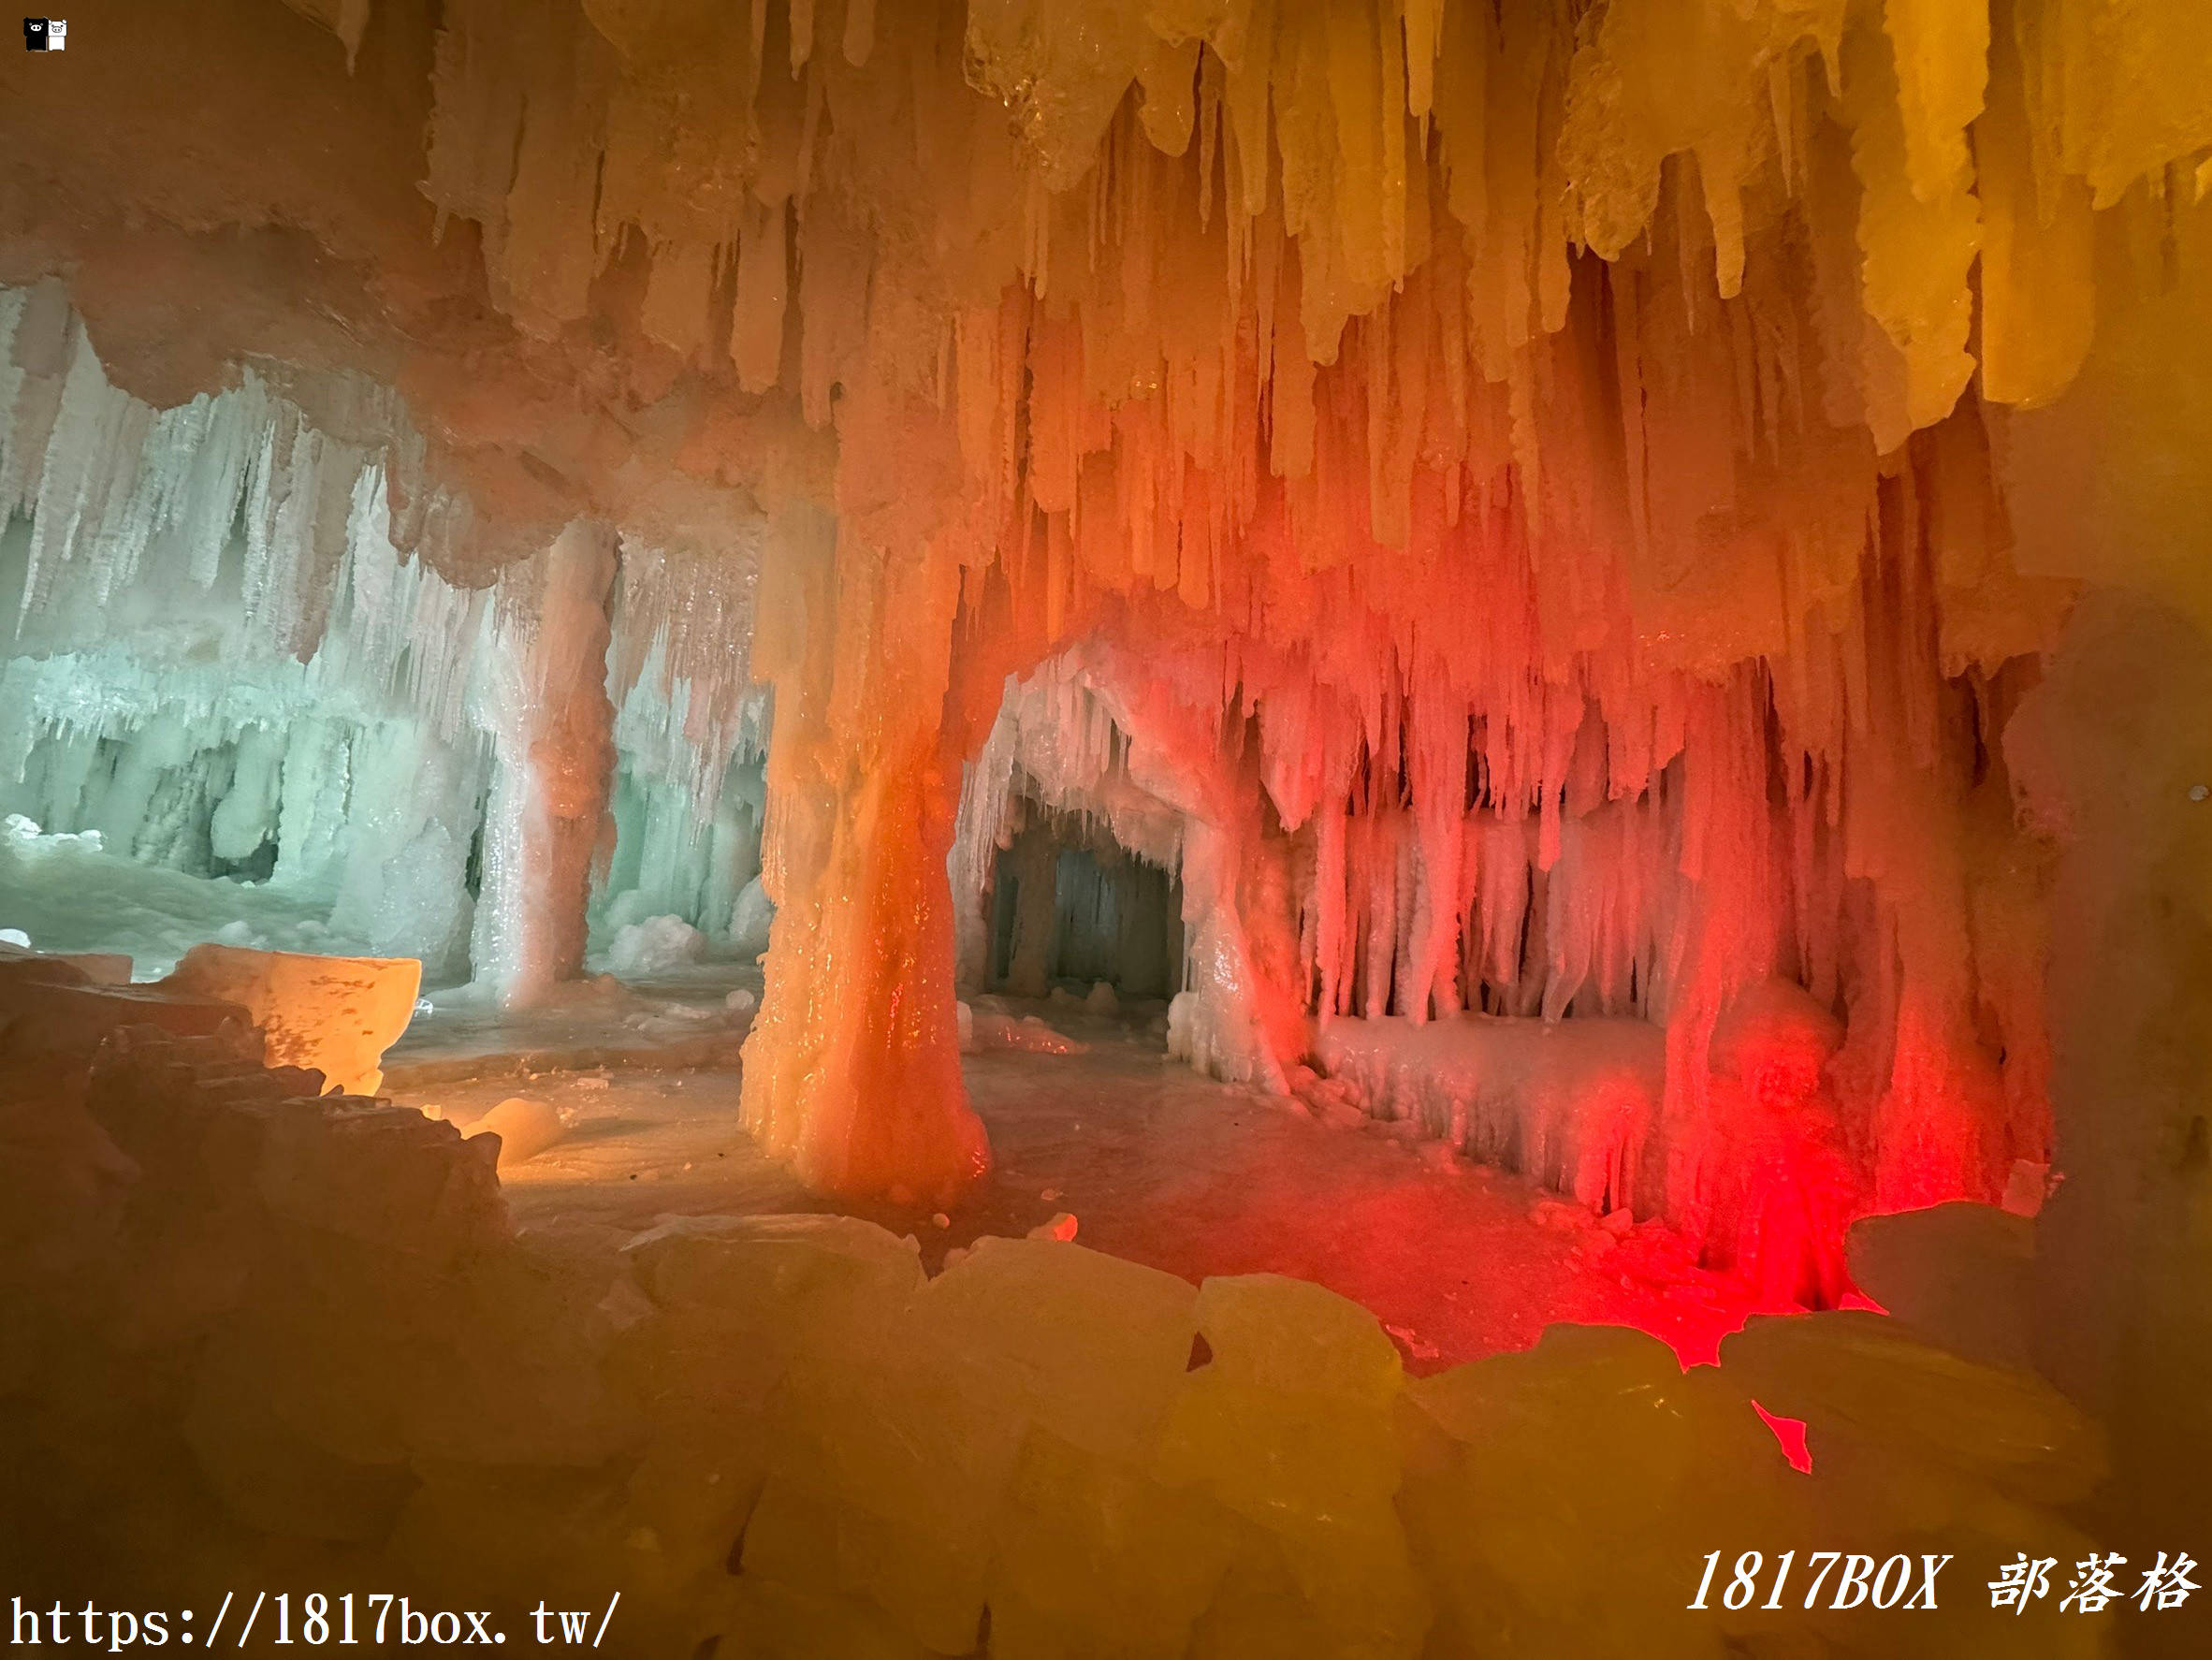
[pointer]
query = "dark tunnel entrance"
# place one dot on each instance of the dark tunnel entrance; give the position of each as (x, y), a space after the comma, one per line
(1070, 907)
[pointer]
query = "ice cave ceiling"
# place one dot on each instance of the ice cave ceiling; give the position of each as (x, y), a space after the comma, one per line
(1559, 501)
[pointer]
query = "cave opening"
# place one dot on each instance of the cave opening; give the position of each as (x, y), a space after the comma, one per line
(1072, 910)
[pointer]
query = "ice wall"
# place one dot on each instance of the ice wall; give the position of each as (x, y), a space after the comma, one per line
(219, 662)
(216, 658)
(690, 738)
(2115, 764)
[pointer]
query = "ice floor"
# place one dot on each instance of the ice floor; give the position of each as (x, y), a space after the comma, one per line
(1155, 1163)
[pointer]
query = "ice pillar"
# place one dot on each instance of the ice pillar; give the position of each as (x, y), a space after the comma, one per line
(1238, 1016)
(552, 729)
(852, 1068)
(1218, 1023)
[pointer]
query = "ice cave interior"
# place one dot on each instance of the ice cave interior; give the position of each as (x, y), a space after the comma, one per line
(1108, 827)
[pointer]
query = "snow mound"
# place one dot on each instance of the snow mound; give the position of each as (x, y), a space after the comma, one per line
(656, 946)
(1025, 1032)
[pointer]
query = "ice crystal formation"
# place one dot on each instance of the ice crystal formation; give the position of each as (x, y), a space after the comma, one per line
(1605, 519)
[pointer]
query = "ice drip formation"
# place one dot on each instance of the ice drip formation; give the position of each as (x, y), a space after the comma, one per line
(1677, 526)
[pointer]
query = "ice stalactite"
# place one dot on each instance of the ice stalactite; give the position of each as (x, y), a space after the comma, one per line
(1578, 849)
(1057, 843)
(552, 732)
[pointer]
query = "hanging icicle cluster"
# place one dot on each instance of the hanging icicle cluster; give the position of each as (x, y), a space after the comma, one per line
(1542, 465)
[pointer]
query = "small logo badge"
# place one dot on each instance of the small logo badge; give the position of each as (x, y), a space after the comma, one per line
(45, 33)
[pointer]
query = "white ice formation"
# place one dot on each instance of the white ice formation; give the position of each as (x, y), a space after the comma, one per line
(229, 650)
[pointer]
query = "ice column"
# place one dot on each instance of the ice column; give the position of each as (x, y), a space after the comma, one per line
(1218, 1024)
(1238, 1017)
(543, 701)
(852, 1068)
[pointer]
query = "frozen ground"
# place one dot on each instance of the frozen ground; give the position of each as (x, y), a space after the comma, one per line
(1155, 1164)
(682, 1019)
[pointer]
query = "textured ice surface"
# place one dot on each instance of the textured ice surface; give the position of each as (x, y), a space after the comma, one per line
(69, 893)
(1574, 1104)
(525, 1126)
(1581, 1105)
(750, 918)
(655, 945)
(335, 1015)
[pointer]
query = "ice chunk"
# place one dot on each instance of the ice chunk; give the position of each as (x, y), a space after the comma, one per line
(525, 1127)
(1086, 1544)
(1516, 1468)
(1956, 1274)
(992, 1029)
(1087, 1346)
(1291, 1423)
(1896, 1410)
(336, 1014)
(848, 1275)
(657, 946)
